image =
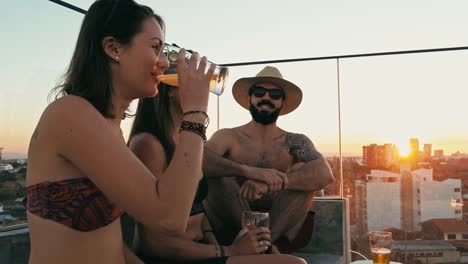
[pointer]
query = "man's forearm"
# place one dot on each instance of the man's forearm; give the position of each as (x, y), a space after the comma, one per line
(215, 165)
(311, 176)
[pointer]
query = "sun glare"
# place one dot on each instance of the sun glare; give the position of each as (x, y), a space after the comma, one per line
(403, 148)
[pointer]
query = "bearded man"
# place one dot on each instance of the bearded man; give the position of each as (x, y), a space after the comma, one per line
(271, 169)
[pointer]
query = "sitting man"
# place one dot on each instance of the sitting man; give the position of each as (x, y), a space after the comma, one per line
(273, 170)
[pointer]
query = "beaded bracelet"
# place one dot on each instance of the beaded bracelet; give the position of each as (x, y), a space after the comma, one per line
(198, 112)
(197, 128)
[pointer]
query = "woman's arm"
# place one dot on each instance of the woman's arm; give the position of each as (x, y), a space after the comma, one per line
(207, 230)
(177, 247)
(130, 257)
(82, 136)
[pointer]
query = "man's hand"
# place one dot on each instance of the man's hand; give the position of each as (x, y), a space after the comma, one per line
(274, 179)
(252, 190)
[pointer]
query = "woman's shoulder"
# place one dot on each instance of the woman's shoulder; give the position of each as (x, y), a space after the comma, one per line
(72, 103)
(70, 106)
(150, 151)
(145, 143)
(69, 113)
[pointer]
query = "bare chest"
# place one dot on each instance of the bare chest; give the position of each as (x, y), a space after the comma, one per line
(263, 154)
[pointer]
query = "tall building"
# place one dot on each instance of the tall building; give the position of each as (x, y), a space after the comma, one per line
(383, 190)
(414, 149)
(1, 150)
(369, 155)
(379, 156)
(408, 207)
(405, 200)
(438, 199)
(360, 207)
(427, 152)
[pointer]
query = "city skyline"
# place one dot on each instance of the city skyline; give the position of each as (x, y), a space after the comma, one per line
(383, 99)
(403, 150)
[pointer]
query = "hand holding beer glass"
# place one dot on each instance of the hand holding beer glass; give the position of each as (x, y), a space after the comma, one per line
(218, 80)
(380, 243)
(252, 219)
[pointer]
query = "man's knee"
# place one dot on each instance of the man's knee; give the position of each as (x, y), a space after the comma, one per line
(297, 199)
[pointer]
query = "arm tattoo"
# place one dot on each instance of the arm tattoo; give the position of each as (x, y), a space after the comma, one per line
(301, 148)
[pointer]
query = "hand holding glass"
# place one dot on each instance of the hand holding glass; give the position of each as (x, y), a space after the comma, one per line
(380, 243)
(218, 80)
(252, 219)
(255, 219)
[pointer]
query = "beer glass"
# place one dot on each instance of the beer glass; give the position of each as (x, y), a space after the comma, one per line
(256, 219)
(380, 243)
(218, 80)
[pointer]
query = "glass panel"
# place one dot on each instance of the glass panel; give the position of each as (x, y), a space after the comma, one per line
(404, 119)
(35, 56)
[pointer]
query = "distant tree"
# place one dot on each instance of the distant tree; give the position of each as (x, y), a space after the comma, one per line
(7, 176)
(7, 194)
(15, 164)
(20, 193)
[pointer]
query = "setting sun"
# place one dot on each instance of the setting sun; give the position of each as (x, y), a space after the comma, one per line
(403, 149)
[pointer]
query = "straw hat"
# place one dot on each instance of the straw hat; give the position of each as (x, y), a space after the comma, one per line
(272, 75)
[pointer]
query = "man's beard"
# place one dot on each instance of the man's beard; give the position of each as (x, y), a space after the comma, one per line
(264, 117)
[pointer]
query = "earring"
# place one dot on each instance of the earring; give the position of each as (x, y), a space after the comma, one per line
(117, 58)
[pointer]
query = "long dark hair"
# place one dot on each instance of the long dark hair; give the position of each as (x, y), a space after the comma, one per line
(153, 115)
(89, 73)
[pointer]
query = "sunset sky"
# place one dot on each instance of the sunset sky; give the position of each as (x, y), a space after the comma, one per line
(383, 99)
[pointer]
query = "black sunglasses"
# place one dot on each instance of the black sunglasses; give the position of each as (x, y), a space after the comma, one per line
(259, 91)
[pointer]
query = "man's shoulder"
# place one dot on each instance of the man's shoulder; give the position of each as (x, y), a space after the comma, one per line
(225, 135)
(223, 132)
(233, 131)
(296, 136)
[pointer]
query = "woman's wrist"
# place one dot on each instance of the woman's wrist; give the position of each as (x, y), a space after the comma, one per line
(229, 251)
(197, 118)
(193, 127)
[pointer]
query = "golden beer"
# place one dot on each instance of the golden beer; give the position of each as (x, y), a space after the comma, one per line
(217, 82)
(255, 219)
(381, 255)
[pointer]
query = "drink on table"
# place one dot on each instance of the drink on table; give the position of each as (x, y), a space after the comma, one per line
(381, 255)
(380, 243)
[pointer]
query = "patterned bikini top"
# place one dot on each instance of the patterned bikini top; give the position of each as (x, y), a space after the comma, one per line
(76, 203)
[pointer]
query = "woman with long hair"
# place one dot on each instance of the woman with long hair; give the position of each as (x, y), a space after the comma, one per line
(154, 139)
(81, 175)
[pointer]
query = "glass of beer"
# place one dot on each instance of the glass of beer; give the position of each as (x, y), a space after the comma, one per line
(218, 80)
(380, 243)
(256, 219)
